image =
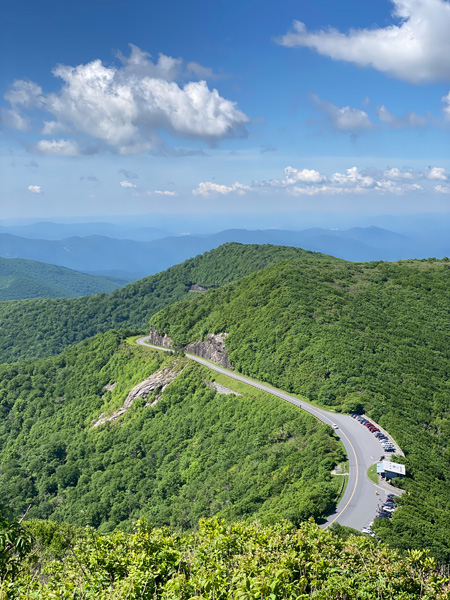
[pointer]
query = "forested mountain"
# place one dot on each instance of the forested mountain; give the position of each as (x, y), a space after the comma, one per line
(34, 328)
(101, 254)
(373, 336)
(179, 452)
(21, 278)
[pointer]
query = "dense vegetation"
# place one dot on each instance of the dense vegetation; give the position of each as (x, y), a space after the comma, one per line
(374, 336)
(193, 453)
(20, 279)
(36, 328)
(219, 561)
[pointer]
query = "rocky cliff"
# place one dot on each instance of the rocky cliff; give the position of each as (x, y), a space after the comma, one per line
(213, 348)
(156, 382)
(159, 340)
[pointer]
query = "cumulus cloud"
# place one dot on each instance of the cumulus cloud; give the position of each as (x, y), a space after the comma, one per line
(442, 189)
(124, 108)
(393, 180)
(208, 188)
(353, 177)
(57, 148)
(344, 118)
(437, 173)
(304, 175)
(35, 189)
(128, 184)
(415, 49)
(164, 193)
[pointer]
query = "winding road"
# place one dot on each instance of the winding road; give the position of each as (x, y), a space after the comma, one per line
(358, 505)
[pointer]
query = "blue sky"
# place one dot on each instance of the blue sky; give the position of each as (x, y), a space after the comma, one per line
(226, 107)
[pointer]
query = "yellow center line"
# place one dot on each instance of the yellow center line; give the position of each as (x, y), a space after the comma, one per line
(311, 410)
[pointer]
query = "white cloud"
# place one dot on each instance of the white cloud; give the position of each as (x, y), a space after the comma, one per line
(442, 189)
(309, 182)
(344, 118)
(437, 173)
(35, 189)
(304, 176)
(353, 177)
(15, 119)
(416, 49)
(208, 188)
(57, 148)
(165, 193)
(124, 108)
(26, 94)
(127, 184)
(394, 173)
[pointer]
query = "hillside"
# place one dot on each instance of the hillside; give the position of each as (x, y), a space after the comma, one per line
(372, 336)
(176, 451)
(35, 328)
(21, 279)
(220, 561)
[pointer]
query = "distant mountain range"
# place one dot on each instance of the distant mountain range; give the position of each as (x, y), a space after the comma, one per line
(130, 258)
(59, 231)
(21, 279)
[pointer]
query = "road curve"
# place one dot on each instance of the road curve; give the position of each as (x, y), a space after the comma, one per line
(359, 503)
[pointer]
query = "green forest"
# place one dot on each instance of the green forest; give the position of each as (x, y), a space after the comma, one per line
(21, 279)
(195, 453)
(217, 489)
(372, 337)
(42, 327)
(222, 561)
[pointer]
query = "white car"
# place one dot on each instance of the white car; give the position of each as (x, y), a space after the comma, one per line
(334, 426)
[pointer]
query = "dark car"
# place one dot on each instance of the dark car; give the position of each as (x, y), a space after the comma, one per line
(392, 496)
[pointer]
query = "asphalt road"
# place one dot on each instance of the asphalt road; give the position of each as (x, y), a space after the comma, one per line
(358, 506)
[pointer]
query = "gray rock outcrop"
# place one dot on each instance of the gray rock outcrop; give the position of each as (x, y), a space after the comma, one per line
(158, 381)
(159, 340)
(213, 349)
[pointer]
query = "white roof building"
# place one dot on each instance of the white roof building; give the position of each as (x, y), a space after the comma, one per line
(392, 467)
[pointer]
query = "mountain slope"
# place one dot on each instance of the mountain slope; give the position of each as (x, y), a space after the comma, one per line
(370, 336)
(34, 328)
(174, 449)
(21, 278)
(100, 254)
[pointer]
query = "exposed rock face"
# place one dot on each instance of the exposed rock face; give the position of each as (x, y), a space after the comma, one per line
(221, 389)
(157, 381)
(213, 348)
(159, 340)
(195, 287)
(110, 386)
